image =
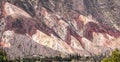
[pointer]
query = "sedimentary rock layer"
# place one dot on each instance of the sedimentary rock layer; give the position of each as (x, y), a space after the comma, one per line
(52, 27)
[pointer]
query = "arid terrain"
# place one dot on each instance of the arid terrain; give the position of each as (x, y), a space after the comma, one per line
(59, 27)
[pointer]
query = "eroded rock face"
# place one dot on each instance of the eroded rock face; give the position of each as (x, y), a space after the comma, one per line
(55, 27)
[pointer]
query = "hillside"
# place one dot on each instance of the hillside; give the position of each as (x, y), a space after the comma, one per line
(53, 27)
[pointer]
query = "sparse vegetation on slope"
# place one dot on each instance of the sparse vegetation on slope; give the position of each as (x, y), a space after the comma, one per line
(3, 56)
(115, 57)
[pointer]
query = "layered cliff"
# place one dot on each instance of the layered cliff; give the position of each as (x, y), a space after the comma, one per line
(51, 27)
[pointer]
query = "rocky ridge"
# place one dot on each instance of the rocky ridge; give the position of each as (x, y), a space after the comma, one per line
(50, 27)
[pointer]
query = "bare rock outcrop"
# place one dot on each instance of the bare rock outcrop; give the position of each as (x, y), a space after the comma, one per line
(51, 27)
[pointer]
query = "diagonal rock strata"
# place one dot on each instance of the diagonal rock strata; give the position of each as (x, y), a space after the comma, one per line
(59, 27)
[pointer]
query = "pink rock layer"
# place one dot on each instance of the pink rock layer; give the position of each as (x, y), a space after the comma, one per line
(24, 35)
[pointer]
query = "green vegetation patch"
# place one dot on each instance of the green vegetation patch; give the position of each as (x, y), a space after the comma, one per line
(3, 56)
(115, 57)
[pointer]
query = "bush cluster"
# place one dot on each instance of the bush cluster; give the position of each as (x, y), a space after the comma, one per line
(114, 57)
(3, 56)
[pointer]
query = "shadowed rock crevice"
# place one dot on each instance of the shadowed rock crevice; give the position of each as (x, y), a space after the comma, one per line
(27, 6)
(21, 25)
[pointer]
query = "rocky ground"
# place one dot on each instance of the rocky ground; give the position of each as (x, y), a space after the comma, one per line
(53, 27)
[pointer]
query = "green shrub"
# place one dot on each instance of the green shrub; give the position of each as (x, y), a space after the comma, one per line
(3, 56)
(115, 57)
